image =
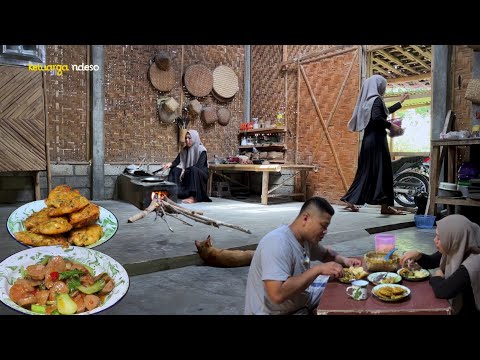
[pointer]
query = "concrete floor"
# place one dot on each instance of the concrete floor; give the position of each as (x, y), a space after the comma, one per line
(168, 277)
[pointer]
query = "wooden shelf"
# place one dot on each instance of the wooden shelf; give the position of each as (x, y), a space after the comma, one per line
(456, 201)
(456, 142)
(272, 130)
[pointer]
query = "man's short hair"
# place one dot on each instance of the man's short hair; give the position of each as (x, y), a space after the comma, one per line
(320, 204)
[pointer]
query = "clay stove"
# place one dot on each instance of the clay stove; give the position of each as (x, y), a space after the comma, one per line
(132, 189)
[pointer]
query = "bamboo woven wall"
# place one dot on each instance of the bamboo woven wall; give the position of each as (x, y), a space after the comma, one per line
(132, 128)
(22, 120)
(326, 77)
(67, 104)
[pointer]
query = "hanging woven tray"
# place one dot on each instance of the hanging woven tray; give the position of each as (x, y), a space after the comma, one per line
(198, 80)
(225, 82)
(219, 98)
(209, 115)
(161, 80)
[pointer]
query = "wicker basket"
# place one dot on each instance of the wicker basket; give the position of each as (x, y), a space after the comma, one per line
(198, 80)
(375, 262)
(473, 91)
(225, 82)
(223, 116)
(209, 115)
(161, 80)
(162, 60)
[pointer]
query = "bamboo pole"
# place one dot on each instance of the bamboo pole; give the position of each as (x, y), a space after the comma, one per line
(313, 54)
(298, 113)
(322, 122)
(47, 139)
(285, 58)
(328, 55)
(87, 117)
(180, 143)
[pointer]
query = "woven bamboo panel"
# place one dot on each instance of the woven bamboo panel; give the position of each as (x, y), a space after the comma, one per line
(22, 120)
(225, 82)
(67, 104)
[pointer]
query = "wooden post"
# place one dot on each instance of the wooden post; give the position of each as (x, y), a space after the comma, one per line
(181, 141)
(47, 138)
(298, 113)
(303, 180)
(87, 107)
(36, 183)
(265, 177)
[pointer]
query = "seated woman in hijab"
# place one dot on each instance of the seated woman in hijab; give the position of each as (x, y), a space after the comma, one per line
(458, 256)
(189, 170)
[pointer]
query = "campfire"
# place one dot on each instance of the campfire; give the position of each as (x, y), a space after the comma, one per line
(164, 206)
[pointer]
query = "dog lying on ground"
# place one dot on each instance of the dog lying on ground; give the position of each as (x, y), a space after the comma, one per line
(222, 257)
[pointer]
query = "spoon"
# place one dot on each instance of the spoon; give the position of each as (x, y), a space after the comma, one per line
(390, 254)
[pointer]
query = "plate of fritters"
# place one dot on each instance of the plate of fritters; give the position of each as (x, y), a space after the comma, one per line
(53, 280)
(352, 273)
(64, 218)
(383, 277)
(414, 275)
(391, 292)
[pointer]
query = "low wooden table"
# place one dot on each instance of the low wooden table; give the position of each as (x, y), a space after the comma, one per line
(421, 301)
(301, 170)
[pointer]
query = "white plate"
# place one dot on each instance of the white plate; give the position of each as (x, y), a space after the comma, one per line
(425, 272)
(107, 221)
(10, 270)
(378, 287)
(390, 275)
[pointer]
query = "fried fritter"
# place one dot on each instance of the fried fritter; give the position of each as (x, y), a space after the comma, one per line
(67, 202)
(31, 239)
(54, 226)
(87, 216)
(56, 194)
(37, 218)
(86, 236)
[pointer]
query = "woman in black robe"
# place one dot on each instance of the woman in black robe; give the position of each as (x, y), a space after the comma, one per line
(189, 170)
(373, 182)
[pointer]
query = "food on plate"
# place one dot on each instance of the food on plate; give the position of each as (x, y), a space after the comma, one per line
(66, 202)
(58, 285)
(413, 274)
(53, 226)
(86, 236)
(37, 218)
(353, 273)
(31, 239)
(390, 292)
(87, 216)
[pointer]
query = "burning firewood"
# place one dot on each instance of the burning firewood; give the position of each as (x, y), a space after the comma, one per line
(163, 205)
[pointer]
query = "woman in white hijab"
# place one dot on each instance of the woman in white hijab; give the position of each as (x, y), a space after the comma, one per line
(189, 170)
(373, 182)
(458, 279)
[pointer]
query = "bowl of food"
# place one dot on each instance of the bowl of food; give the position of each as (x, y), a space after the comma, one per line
(375, 261)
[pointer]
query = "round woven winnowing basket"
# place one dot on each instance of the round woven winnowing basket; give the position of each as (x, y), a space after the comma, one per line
(161, 80)
(223, 115)
(225, 81)
(219, 98)
(198, 80)
(209, 115)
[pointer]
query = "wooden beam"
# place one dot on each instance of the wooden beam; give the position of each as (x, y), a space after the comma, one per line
(381, 70)
(405, 79)
(412, 96)
(298, 113)
(317, 53)
(47, 138)
(422, 52)
(322, 122)
(413, 57)
(388, 66)
(371, 48)
(285, 58)
(399, 62)
(327, 55)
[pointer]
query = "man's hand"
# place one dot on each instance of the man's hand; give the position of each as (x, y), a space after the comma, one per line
(331, 268)
(351, 262)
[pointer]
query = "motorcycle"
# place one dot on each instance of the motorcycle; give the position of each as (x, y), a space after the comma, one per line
(410, 178)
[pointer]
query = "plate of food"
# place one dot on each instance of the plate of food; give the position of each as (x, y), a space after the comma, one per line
(352, 273)
(390, 292)
(58, 281)
(32, 225)
(414, 275)
(383, 277)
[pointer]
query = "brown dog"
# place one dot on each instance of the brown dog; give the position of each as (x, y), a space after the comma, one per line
(222, 257)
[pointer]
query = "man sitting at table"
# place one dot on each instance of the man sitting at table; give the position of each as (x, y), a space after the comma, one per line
(280, 279)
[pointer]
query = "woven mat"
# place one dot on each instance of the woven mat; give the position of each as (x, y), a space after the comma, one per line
(198, 80)
(161, 80)
(225, 81)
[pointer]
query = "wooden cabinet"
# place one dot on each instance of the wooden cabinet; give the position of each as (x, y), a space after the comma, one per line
(450, 147)
(269, 142)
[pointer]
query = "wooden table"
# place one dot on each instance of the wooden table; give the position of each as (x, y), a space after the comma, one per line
(301, 170)
(421, 301)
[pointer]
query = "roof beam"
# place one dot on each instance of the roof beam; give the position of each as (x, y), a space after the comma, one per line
(405, 79)
(381, 70)
(387, 65)
(413, 57)
(396, 60)
(421, 52)
(377, 47)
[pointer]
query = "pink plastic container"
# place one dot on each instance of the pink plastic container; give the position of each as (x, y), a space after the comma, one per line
(384, 242)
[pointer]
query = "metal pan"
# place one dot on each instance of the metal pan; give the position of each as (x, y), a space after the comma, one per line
(152, 179)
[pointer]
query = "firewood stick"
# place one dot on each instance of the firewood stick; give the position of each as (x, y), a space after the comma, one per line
(144, 213)
(175, 216)
(164, 217)
(173, 203)
(209, 221)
